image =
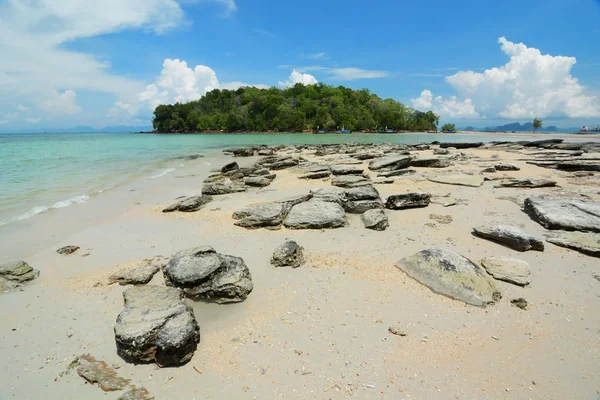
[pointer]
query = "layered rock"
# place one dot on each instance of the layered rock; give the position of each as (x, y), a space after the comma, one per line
(190, 204)
(349, 181)
(222, 187)
(390, 162)
(525, 183)
(316, 214)
(15, 274)
(458, 179)
(510, 236)
(564, 214)
(408, 200)
(587, 243)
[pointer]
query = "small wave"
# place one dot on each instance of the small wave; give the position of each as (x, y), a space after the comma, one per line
(74, 200)
(31, 213)
(165, 172)
(43, 209)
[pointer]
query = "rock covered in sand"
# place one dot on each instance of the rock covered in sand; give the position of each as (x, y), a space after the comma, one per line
(375, 219)
(316, 214)
(289, 254)
(510, 236)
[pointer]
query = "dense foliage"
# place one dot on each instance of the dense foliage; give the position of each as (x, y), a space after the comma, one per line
(313, 107)
(537, 124)
(448, 128)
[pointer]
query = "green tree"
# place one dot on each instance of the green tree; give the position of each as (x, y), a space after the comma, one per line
(537, 124)
(448, 128)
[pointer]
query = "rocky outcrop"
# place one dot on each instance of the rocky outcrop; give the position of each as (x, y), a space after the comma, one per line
(67, 250)
(222, 187)
(15, 274)
(408, 200)
(450, 274)
(525, 183)
(390, 162)
(349, 181)
(140, 274)
(508, 269)
(510, 236)
(289, 254)
(232, 166)
(375, 219)
(202, 273)
(156, 326)
(458, 179)
(315, 214)
(587, 243)
(316, 175)
(564, 214)
(190, 204)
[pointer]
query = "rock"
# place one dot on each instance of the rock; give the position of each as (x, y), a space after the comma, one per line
(265, 152)
(195, 203)
(397, 172)
(587, 243)
(260, 215)
(450, 274)
(136, 394)
(390, 162)
(564, 214)
(442, 219)
(333, 194)
(444, 201)
(224, 187)
(262, 172)
(67, 250)
(542, 143)
(432, 162)
(202, 273)
(461, 145)
(243, 152)
(383, 181)
(408, 200)
(520, 303)
(396, 330)
(375, 219)
(172, 207)
(316, 175)
(525, 183)
(489, 170)
(289, 254)
(506, 167)
(510, 236)
(232, 166)
(14, 274)
(279, 165)
(141, 274)
(458, 179)
(95, 371)
(578, 166)
(362, 193)
(315, 214)
(257, 181)
(345, 170)
(361, 206)
(441, 151)
(508, 270)
(349, 181)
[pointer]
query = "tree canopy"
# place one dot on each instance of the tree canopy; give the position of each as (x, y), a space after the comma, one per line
(448, 128)
(537, 124)
(293, 109)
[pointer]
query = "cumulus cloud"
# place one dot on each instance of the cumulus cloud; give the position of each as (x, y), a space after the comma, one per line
(350, 74)
(451, 107)
(61, 103)
(530, 84)
(24, 109)
(298, 77)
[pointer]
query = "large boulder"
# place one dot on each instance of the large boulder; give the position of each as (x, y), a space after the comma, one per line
(14, 274)
(525, 183)
(508, 270)
(289, 254)
(408, 200)
(202, 273)
(510, 236)
(315, 214)
(450, 274)
(390, 162)
(156, 326)
(564, 214)
(262, 215)
(458, 179)
(375, 219)
(140, 274)
(223, 187)
(587, 243)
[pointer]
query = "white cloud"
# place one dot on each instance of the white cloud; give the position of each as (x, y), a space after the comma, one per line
(297, 77)
(350, 74)
(3, 121)
(316, 56)
(530, 84)
(24, 109)
(60, 103)
(450, 108)
(32, 120)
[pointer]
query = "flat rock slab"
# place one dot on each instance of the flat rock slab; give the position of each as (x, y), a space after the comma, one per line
(156, 326)
(141, 274)
(362, 193)
(432, 162)
(397, 172)
(564, 214)
(525, 183)
(390, 162)
(510, 236)
(458, 179)
(508, 270)
(578, 166)
(316, 175)
(408, 200)
(202, 273)
(346, 170)
(316, 214)
(15, 274)
(587, 243)
(96, 371)
(375, 219)
(289, 254)
(506, 167)
(463, 145)
(360, 206)
(349, 181)
(443, 201)
(67, 250)
(450, 274)
(257, 181)
(190, 204)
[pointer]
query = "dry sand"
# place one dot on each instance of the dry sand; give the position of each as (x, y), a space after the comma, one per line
(319, 331)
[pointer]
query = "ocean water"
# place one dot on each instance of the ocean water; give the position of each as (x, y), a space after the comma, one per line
(54, 170)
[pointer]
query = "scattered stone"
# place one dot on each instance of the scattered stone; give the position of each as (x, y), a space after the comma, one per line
(408, 200)
(316, 175)
(390, 162)
(587, 243)
(362, 193)
(441, 151)
(520, 303)
(257, 181)
(262, 215)
(193, 204)
(224, 187)
(564, 214)
(361, 206)
(396, 330)
(506, 167)
(450, 274)
(510, 236)
(95, 371)
(489, 170)
(345, 170)
(442, 219)
(508, 270)
(397, 172)
(262, 172)
(386, 181)
(232, 166)
(202, 273)
(15, 274)
(141, 274)
(526, 183)
(289, 254)
(458, 179)
(156, 325)
(432, 162)
(375, 219)
(67, 250)
(349, 181)
(315, 214)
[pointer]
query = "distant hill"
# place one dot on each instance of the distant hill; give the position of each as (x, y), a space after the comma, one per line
(82, 129)
(517, 127)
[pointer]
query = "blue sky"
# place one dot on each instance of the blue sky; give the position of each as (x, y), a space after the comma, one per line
(475, 63)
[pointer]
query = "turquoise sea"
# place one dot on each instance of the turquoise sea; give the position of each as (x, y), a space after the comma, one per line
(53, 170)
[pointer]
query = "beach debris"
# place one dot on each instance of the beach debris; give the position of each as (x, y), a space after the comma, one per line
(520, 303)
(458, 179)
(289, 254)
(375, 219)
(408, 200)
(396, 330)
(525, 183)
(509, 236)
(316, 214)
(587, 243)
(67, 250)
(14, 274)
(564, 214)
(202, 273)
(450, 274)
(140, 274)
(431, 162)
(390, 162)
(157, 326)
(226, 186)
(508, 269)
(96, 371)
(350, 181)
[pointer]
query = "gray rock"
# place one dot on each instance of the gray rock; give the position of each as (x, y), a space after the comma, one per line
(564, 214)
(375, 219)
(262, 215)
(223, 187)
(135, 393)
(458, 179)
(345, 170)
(156, 326)
(489, 170)
(578, 166)
(431, 162)
(408, 200)
(232, 166)
(15, 274)
(265, 152)
(508, 270)
(442, 219)
(262, 172)
(360, 206)
(440, 151)
(316, 175)
(195, 203)
(390, 162)
(506, 167)
(67, 250)
(510, 236)
(587, 243)
(397, 172)
(525, 183)
(466, 145)
(257, 181)
(362, 193)
(450, 274)
(202, 273)
(315, 214)
(279, 165)
(333, 194)
(141, 274)
(349, 181)
(289, 254)
(173, 207)
(98, 372)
